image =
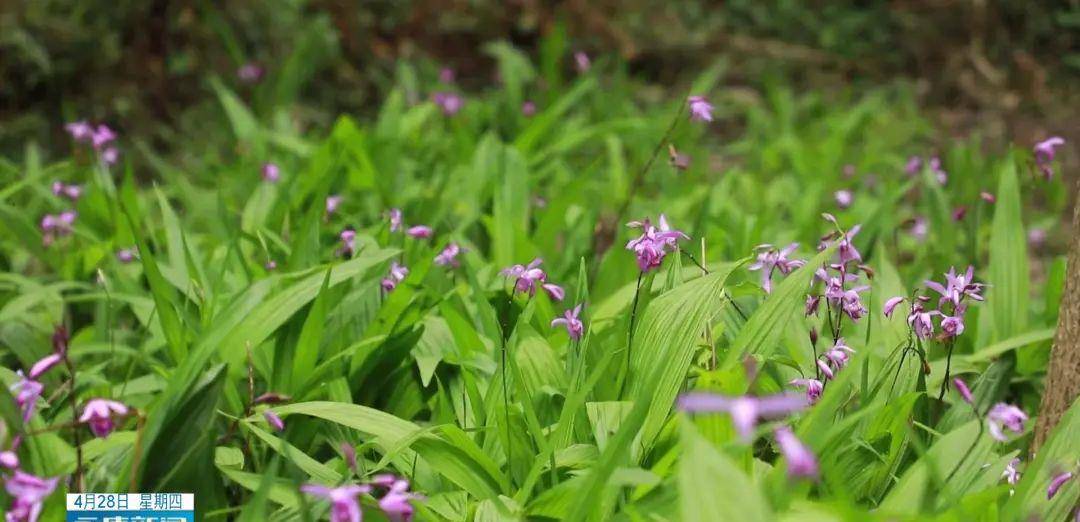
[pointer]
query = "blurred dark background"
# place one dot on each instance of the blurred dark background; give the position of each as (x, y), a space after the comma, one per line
(1006, 69)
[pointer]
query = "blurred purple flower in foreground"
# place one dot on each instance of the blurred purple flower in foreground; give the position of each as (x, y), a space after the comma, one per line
(274, 420)
(1005, 416)
(700, 109)
(348, 242)
(71, 192)
(746, 411)
(570, 321)
(28, 492)
(1056, 483)
(27, 391)
(125, 255)
(446, 75)
(332, 204)
(344, 506)
(1044, 154)
(800, 460)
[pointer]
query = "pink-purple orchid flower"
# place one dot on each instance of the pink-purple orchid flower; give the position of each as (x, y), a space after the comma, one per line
(1044, 154)
(1002, 417)
(654, 243)
(29, 493)
(397, 274)
(571, 322)
(770, 259)
(745, 411)
(101, 414)
(528, 278)
(801, 462)
(344, 505)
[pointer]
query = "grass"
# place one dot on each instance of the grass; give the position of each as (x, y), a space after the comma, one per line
(461, 385)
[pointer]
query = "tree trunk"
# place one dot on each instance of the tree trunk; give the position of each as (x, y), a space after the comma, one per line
(1063, 375)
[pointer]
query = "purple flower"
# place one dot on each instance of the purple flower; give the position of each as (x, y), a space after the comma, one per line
(959, 213)
(846, 250)
(396, 503)
(851, 305)
(1005, 416)
(99, 413)
(919, 228)
(582, 62)
(957, 286)
(45, 364)
(1044, 154)
(962, 388)
(812, 303)
(271, 173)
(700, 109)
(53, 226)
(9, 459)
(913, 165)
(770, 258)
(952, 325)
(102, 136)
(348, 242)
(250, 72)
(27, 391)
(746, 410)
(419, 232)
(1011, 474)
(397, 274)
(1036, 238)
(72, 191)
(844, 198)
(449, 102)
(938, 172)
(838, 354)
(570, 321)
(110, 155)
(891, 304)
(80, 131)
(28, 492)
(528, 108)
(825, 370)
(528, 278)
(1056, 483)
(274, 420)
(394, 216)
(814, 388)
(332, 204)
(448, 255)
(349, 453)
(125, 255)
(446, 75)
(800, 460)
(654, 243)
(344, 506)
(987, 197)
(921, 322)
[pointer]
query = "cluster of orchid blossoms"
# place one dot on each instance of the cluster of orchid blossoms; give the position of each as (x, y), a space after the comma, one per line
(655, 242)
(54, 226)
(395, 500)
(99, 415)
(958, 288)
(100, 137)
(747, 411)
(915, 165)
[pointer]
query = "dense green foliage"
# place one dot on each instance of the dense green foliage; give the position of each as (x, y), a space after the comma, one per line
(463, 386)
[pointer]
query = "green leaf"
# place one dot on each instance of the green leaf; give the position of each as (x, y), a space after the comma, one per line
(712, 487)
(1007, 294)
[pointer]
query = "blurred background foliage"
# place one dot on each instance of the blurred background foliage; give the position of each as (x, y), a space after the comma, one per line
(1003, 68)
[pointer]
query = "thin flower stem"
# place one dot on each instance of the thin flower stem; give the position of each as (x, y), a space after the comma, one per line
(948, 367)
(76, 436)
(506, 393)
(639, 178)
(633, 319)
